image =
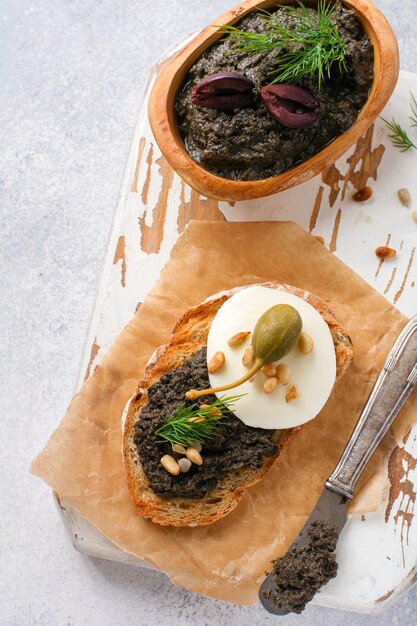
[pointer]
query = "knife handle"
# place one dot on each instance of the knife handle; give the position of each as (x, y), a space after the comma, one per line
(392, 388)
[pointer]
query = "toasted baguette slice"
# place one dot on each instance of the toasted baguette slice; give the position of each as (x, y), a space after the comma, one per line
(189, 336)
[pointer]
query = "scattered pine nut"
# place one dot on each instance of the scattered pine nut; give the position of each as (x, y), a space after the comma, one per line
(196, 446)
(319, 238)
(404, 197)
(270, 384)
(414, 215)
(305, 343)
(214, 410)
(177, 447)
(194, 456)
(362, 194)
(291, 394)
(248, 357)
(238, 339)
(216, 363)
(269, 370)
(384, 252)
(283, 374)
(170, 464)
(197, 419)
(184, 465)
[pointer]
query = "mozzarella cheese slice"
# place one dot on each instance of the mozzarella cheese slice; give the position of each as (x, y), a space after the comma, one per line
(313, 374)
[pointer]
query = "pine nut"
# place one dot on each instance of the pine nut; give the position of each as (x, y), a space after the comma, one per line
(194, 456)
(177, 447)
(362, 194)
(170, 464)
(404, 197)
(283, 374)
(238, 339)
(292, 394)
(414, 215)
(384, 252)
(248, 357)
(305, 343)
(184, 465)
(216, 363)
(214, 410)
(269, 370)
(196, 446)
(197, 419)
(270, 384)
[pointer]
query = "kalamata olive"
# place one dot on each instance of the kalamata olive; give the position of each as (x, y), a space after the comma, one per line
(291, 106)
(224, 91)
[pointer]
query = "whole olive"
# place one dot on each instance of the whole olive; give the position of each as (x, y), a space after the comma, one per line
(276, 333)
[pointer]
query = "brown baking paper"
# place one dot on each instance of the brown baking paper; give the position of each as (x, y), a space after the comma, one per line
(82, 460)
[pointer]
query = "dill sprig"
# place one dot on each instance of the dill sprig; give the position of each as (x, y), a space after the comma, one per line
(185, 426)
(399, 136)
(312, 45)
(413, 107)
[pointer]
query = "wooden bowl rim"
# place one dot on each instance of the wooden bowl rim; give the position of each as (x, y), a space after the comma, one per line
(163, 124)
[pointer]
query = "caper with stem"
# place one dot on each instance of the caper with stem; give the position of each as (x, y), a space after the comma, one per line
(276, 333)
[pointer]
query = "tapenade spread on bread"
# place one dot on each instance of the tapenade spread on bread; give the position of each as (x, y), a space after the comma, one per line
(180, 483)
(234, 447)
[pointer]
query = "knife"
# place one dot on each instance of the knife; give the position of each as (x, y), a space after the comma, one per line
(392, 388)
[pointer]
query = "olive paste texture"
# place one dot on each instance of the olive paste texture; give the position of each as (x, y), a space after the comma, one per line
(235, 446)
(301, 572)
(248, 143)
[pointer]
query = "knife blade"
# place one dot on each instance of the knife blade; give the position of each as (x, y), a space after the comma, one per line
(391, 390)
(330, 506)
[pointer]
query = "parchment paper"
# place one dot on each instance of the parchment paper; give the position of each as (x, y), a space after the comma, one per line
(82, 460)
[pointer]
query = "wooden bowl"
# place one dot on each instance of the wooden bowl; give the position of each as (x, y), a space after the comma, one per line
(171, 77)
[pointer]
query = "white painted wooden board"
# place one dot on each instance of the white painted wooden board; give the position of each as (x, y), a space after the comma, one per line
(377, 553)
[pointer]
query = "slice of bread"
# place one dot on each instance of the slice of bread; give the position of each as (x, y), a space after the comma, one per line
(189, 336)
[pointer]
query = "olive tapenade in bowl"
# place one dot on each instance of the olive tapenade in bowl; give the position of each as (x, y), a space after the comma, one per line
(271, 93)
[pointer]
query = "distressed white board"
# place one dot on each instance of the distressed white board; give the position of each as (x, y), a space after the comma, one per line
(377, 553)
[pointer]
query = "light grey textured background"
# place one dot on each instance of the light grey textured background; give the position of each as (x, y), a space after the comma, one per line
(71, 77)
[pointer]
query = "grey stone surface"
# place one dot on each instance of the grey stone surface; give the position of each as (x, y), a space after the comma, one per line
(71, 77)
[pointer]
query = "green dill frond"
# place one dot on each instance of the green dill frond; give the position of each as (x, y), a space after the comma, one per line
(186, 428)
(398, 136)
(251, 43)
(413, 107)
(311, 46)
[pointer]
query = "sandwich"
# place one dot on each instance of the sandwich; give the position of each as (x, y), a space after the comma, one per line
(222, 400)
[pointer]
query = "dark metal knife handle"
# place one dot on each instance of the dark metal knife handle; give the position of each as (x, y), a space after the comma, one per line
(392, 388)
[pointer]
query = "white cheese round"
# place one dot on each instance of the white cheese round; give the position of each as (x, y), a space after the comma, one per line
(313, 374)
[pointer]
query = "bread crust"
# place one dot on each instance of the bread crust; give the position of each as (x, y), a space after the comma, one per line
(189, 336)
